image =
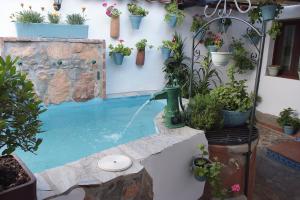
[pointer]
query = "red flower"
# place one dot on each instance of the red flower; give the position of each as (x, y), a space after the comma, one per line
(235, 188)
(104, 4)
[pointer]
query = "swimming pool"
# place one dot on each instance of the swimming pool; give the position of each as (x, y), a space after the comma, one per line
(75, 130)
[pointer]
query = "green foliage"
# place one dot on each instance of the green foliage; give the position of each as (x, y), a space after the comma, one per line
(28, 16)
(233, 95)
(288, 117)
(172, 9)
(176, 67)
(168, 44)
(136, 10)
(204, 112)
(255, 15)
(76, 19)
(142, 44)
(54, 18)
(19, 110)
(205, 77)
(119, 48)
(197, 23)
(275, 29)
(241, 56)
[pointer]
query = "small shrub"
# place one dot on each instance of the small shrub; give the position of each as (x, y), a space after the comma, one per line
(288, 117)
(54, 18)
(137, 10)
(19, 108)
(76, 19)
(172, 9)
(142, 44)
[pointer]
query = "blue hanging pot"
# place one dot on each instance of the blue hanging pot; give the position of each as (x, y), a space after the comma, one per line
(118, 58)
(288, 130)
(172, 21)
(135, 21)
(165, 52)
(268, 12)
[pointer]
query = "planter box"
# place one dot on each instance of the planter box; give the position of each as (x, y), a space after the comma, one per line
(25, 191)
(52, 30)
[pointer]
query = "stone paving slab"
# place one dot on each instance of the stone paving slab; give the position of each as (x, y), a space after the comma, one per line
(289, 149)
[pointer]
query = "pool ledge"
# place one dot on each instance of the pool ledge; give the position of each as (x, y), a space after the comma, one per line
(63, 180)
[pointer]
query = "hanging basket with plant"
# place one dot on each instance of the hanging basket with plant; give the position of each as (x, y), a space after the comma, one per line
(213, 42)
(141, 46)
(174, 17)
(269, 9)
(197, 23)
(166, 48)
(118, 52)
(114, 14)
(137, 14)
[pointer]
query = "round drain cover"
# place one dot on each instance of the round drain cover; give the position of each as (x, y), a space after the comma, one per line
(115, 163)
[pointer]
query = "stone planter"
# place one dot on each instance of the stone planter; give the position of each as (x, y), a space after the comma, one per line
(220, 59)
(195, 165)
(118, 58)
(268, 12)
(140, 58)
(273, 70)
(172, 21)
(115, 27)
(235, 118)
(24, 191)
(135, 21)
(212, 48)
(44, 30)
(288, 130)
(165, 52)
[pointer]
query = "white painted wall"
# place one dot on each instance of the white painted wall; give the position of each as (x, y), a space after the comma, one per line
(277, 93)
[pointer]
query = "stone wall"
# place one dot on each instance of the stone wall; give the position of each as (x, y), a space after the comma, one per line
(61, 70)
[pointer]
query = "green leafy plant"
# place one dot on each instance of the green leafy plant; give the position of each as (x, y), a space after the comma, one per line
(76, 19)
(54, 18)
(119, 48)
(137, 10)
(204, 112)
(241, 56)
(213, 39)
(172, 9)
(142, 44)
(168, 44)
(197, 23)
(288, 117)
(255, 15)
(275, 29)
(28, 16)
(176, 67)
(19, 108)
(205, 77)
(233, 95)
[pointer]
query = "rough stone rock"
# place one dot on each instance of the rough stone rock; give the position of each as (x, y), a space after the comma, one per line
(59, 87)
(57, 50)
(89, 54)
(22, 51)
(84, 88)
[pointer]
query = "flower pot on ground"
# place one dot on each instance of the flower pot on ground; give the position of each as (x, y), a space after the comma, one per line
(118, 52)
(213, 42)
(199, 168)
(114, 14)
(174, 17)
(17, 97)
(235, 100)
(137, 14)
(141, 46)
(289, 121)
(166, 49)
(197, 23)
(220, 59)
(273, 70)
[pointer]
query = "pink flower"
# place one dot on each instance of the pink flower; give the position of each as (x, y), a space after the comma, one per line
(121, 41)
(104, 4)
(235, 188)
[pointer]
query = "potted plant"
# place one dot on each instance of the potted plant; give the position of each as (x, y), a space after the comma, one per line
(31, 23)
(118, 52)
(137, 14)
(224, 25)
(114, 14)
(235, 100)
(197, 23)
(174, 17)
(141, 46)
(289, 121)
(213, 42)
(273, 70)
(275, 29)
(269, 9)
(19, 124)
(167, 48)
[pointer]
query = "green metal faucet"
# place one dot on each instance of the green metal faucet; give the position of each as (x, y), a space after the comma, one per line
(172, 115)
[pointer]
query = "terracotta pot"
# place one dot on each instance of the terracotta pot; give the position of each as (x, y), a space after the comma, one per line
(115, 27)
(140, 58)
(24, 191)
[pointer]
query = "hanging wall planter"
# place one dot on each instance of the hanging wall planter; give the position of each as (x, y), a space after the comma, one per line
(268, 12)
(115, 27)
(137, 14)
(197, 23)
(140, 56)
(172, 21)
(220, 59)
(118, 58)
(165, 52)
(118, 52)
(174, 17)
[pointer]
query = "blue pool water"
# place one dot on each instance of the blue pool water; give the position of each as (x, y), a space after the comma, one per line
(75, 130)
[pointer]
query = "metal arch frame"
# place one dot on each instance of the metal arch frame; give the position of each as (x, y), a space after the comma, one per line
(262, 35)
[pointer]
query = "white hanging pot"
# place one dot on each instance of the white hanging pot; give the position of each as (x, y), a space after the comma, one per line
(220, 59)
